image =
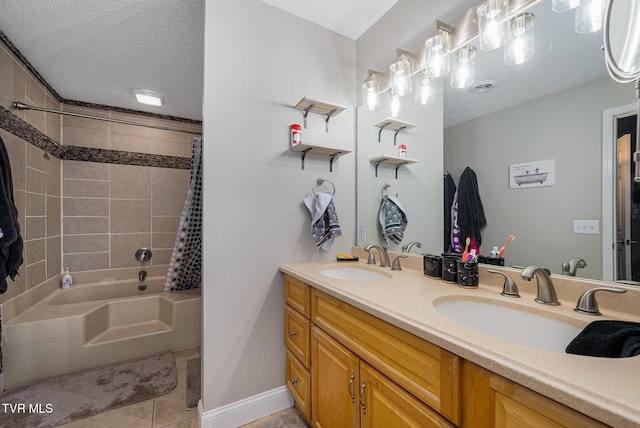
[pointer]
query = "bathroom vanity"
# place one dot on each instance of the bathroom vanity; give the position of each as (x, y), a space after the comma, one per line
(377, 352)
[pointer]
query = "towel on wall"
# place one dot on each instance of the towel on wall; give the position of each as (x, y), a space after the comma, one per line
(449, 192)
(393, 219)
(324, 220)
(10, 239)
(471, 219)
(607, 338)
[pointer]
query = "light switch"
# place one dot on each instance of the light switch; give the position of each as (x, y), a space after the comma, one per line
(362, 234)
(590, 227)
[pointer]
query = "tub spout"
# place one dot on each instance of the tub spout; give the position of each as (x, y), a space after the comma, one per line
(141, 277)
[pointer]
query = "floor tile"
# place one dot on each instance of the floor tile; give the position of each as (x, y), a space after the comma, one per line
(139, 415)
(185, 423)
(170, 408)
(81, 423)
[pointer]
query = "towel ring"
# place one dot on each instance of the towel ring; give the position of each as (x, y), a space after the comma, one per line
(384, 191)
(321, 181)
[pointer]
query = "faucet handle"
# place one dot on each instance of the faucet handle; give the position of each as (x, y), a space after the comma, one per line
(396, 263)
(587, 302)
(509, 288)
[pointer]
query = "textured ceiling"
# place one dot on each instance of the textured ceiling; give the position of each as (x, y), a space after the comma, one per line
(97, 51)
(350, 18)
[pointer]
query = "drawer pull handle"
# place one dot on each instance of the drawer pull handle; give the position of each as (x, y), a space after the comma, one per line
(362, 405)
(353, 396)
(292, 333)
(293, 381)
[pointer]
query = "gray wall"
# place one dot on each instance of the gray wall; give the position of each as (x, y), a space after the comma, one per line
(259, 62)
(565, 126)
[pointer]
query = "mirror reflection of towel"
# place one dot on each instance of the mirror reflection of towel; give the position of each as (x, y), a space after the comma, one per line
(393, 219)
(324, 220)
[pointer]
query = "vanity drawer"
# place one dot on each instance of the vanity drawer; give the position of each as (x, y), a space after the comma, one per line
(430, 373)
(296, 335)
(299, 384)
(297, 295)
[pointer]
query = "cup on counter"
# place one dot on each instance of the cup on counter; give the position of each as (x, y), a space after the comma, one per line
(467, 274)
(450, 266)
(432, 265)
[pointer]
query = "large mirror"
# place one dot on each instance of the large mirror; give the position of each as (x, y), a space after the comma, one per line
(549, 110)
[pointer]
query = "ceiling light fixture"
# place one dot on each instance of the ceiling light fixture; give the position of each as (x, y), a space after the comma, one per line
(395, 104)
(590, 15)
(424, 91)
(437, 51)
(522, 45)
(371, 91)
(463, 69)
(401, 74)
(564, 5)
(146, 96)
(493, 25)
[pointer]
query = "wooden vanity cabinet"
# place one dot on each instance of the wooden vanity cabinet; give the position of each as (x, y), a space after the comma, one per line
(349, 393)
(297, 341)
(490, 400)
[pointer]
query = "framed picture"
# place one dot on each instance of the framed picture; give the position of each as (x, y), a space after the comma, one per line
(532, 174)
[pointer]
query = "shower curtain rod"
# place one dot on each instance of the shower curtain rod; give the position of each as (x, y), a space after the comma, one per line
(23, 106)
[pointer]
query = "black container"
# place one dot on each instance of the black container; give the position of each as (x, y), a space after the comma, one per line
(497, 261)
(432, 265)
(467, 274)
(450, 266)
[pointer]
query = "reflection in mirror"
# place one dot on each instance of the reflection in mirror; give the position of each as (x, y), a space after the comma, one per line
(418, 185)
(548, 108)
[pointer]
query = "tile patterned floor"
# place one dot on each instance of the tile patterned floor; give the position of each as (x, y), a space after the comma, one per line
(289, 418)
(166, 411)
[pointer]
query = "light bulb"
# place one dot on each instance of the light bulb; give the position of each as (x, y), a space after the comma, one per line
(463, 69)
(395, 105)
(424, 92)
(437, 54)
(401, 75)
(521, 47)
(493, 25)
(371, 93)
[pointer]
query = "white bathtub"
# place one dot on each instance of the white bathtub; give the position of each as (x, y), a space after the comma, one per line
(103, 319)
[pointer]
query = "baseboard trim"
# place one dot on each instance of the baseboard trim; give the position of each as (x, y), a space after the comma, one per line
(247, 410)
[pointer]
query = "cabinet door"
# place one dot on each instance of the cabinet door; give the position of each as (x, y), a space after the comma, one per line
(383, 404)
(334, 380)
(299, 384)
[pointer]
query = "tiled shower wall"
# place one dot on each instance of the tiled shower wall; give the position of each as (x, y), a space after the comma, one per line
(111, 210)
(88, 215)
(36, 178)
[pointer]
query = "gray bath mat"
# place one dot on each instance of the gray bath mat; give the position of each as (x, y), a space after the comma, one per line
(193, 383)
(79, 395)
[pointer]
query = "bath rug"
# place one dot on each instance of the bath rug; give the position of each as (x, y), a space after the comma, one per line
(193, 383)
(67, 398)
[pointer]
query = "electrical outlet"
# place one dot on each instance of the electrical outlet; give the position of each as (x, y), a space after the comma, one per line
(589, 227)
(362, 234)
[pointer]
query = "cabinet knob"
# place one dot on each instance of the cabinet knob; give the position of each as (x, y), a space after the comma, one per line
(293, 381)
(292, 333)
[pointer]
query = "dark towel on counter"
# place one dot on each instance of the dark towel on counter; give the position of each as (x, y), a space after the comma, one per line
(10, 239)
(612, 339)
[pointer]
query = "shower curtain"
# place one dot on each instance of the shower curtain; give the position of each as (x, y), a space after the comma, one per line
(186, 259)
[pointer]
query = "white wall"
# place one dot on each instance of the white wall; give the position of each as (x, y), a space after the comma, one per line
(565, 126)
(259, 62)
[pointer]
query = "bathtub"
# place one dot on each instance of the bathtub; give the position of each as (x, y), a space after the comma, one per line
(103, 319)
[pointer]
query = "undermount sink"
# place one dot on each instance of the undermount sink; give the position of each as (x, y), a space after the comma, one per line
(354, 273)
(513, 325)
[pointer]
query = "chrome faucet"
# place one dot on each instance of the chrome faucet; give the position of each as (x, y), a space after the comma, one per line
(546, 291)
(570, 267)
(406, 248)
(384, 256)
(141, 277)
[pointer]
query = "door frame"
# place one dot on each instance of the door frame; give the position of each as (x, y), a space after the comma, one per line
(609, 209)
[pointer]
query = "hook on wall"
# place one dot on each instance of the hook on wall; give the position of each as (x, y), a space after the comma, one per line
(320, 182)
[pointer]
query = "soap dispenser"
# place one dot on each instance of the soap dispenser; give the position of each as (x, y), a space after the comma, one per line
(67, 279)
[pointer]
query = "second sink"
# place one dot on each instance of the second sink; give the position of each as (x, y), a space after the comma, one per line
(354, 273)
(513, 325)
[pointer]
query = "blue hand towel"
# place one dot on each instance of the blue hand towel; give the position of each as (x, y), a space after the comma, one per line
(393, 219)
(324, 220)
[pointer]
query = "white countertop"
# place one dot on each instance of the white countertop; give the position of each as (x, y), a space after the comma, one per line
(606, 389)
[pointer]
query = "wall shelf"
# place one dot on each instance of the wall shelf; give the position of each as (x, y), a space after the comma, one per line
(392, 160)
(332, 153)
(327, 110)
(394, 125)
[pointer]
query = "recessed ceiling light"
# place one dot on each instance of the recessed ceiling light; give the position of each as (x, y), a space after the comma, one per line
(482, 87)
(146, 96)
